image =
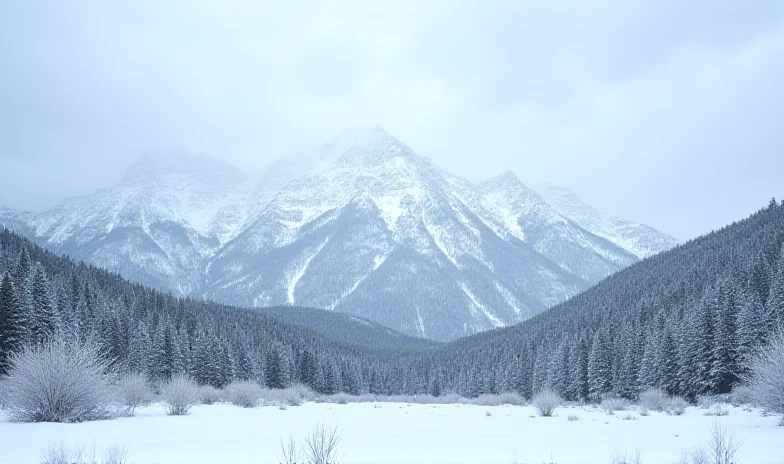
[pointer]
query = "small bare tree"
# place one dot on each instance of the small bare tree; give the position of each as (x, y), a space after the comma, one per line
(291, 454)
(321, 445)
(721, 449)
(765, 379)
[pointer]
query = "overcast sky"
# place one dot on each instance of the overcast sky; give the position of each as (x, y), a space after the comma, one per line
(665, 112)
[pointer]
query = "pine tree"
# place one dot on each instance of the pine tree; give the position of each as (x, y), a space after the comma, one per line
(23, 280)
(647, 376)
(44, 320)
(723, 372)
(750, 324)
(599, 367)
(11, 330)
(668, 364)
(775, 304)
(278, 369)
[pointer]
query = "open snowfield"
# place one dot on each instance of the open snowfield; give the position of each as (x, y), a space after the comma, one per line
(401, 433)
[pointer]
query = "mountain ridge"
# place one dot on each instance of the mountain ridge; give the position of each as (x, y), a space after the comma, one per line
(362, 225)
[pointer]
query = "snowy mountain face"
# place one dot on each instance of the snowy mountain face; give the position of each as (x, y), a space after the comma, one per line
(363, 226)
(638, 239)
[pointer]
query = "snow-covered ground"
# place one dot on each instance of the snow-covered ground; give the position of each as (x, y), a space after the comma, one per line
(401, 433)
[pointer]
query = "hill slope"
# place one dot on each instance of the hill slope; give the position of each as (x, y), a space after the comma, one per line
(682, 320)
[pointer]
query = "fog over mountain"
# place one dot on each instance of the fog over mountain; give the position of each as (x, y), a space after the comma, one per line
(665, 113)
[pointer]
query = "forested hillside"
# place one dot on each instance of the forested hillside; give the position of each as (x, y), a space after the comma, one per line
(147, 331)
(682, 320)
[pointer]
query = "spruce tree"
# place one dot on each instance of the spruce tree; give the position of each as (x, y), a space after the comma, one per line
(44, 320)
(11, 330)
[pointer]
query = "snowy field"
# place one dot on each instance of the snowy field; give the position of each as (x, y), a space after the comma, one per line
(401, 433)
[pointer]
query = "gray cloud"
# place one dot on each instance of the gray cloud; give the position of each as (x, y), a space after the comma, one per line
(663, 112)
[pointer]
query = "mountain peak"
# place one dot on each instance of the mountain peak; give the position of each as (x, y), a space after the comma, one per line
(508, 181)
(155, 164)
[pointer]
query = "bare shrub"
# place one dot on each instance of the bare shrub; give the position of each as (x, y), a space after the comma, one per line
(133, 391)
(573, 417)
(765, 379)
(210, 395)
(60, 381)
(654, 399)
(645, 412)
(246, 394)
(497, 400)
(722, 448)
(180, 394)
(677, 406)
(626, 457)
(291, 453)
(545, 402)
(615, 404)
(60, 453)
(321, 445)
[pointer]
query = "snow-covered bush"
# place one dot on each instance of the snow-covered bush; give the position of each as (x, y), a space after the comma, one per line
(246, 394)
(766, 376)
(367, 398)
(497, 400)
(654, 399)
(452, 398)
(210, 395)
(179, 394)
(59, 381)
(413, 399)
(545, 402)
(303, 393)
(741, 395)
(677, 406)
(615, 404)
(340, 398)
(718, 409)
(291, 396)
(60, 453)
(133, 391)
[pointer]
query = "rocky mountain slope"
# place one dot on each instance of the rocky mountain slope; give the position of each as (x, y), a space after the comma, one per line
(363, 225)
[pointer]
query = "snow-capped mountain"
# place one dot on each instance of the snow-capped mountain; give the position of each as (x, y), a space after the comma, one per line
(362, 225)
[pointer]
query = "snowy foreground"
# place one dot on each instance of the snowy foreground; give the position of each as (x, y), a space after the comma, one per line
(401, 433)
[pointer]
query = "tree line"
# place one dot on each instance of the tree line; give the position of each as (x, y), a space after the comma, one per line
(684, 321)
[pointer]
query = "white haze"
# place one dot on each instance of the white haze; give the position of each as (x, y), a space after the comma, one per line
(664, 112)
